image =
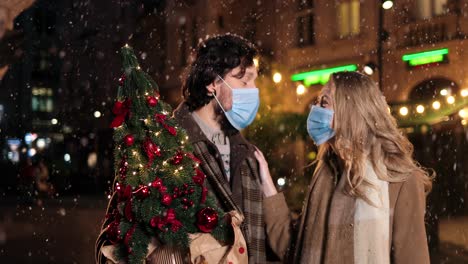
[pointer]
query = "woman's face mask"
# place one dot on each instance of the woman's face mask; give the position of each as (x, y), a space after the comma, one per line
(245, 103)
(319, 124)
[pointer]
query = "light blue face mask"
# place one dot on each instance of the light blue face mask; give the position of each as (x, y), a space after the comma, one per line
(245, 103)
(319, 124)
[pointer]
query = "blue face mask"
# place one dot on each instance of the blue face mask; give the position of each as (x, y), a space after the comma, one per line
(319, 124)
(245, 103)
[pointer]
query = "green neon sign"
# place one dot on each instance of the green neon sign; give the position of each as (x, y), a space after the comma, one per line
(320, 76)
(426, 57)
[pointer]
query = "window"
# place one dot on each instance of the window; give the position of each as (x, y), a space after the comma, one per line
(348, 18)
(305, 33)
(41, 100)
(429, 8)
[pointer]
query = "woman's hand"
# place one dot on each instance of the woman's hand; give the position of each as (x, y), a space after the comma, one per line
(268, 186)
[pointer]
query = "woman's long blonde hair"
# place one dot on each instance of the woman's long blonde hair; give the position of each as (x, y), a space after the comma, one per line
(365, 130)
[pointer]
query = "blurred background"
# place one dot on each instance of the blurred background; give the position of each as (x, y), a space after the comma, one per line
(59, 71)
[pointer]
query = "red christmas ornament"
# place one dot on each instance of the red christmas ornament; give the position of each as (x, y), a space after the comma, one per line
(151, 101)
(207, 219)
(166, 199)
(129, 140)
(142, 192)
(113, 232)
(121, 111)
(177, 159)
(122, 79)
(199, 177)
(171, 130)
(151, 150)
(157, 183)
(161, 118)
(128, 211)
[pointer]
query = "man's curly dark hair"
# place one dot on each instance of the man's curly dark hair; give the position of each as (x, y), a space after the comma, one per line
(215, 56)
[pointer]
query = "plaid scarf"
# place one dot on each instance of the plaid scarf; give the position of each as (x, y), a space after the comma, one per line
(243, 193)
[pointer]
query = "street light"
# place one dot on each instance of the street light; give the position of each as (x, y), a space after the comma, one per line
(277, 77)
(420, 109)
(300, 90)
(387, 4)
(369, 68)
(404, 111)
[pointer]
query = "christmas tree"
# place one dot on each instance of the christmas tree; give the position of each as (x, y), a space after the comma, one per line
(160, 190)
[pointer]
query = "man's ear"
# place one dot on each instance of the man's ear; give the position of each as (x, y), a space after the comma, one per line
(211, 88)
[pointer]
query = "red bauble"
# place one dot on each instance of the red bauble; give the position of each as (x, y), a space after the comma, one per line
(207, 219)
(177, 159)
(142, 192)
(166, 199)
(157, 183)
(129, 140)
(151, 101)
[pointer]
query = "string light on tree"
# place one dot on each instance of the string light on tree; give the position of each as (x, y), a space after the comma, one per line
(277, 77)
(436, 105)
(464, 92)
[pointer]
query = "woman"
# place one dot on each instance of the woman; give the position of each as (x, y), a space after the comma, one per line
(366, 200)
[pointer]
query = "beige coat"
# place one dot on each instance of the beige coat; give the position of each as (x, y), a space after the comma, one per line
(408, 241)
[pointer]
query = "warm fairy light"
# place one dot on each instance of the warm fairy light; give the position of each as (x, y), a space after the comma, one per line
(176, 171)
(164, 163)
(404, 111)
(436, 105)
(181, 168)
(464, 92)
(186, 137)
(157, 133)
(134, 173)
(182, 142)
(126, 45)
(134, 153)
(138, 67)
(145, 120)
(463, 113)
(420, 109)
(444, 92)
(450, 99)
(464, 122)
(146, 93)
(141, 165)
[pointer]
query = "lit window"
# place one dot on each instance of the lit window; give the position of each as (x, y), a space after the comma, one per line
(348, 18)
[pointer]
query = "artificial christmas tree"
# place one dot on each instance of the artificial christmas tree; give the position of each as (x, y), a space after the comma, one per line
(159, 190)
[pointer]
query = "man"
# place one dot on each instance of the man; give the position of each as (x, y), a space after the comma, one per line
(220, 99)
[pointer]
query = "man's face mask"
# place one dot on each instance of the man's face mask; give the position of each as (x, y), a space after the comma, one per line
(319, 124)
(245, 103)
